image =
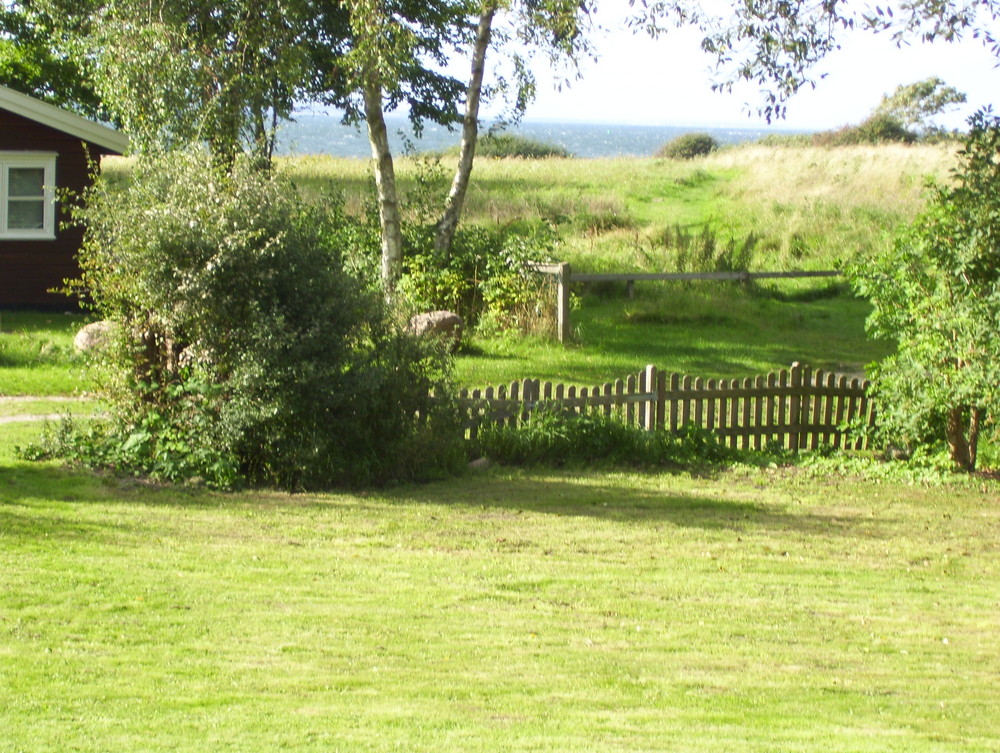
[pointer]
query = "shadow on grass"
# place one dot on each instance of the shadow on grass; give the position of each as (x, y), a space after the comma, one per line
(826, 333)
(640, 500)
(32, 499)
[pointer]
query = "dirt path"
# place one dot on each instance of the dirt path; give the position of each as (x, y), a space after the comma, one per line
(28, 417)
(41, 398)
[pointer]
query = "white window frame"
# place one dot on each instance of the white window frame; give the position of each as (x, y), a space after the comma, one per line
(46, 161)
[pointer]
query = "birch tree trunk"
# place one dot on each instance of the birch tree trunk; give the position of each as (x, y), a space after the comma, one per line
(385, 185)
(446, 226)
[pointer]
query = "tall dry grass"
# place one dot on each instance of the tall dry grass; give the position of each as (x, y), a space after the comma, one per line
(888, 177)
(804, 206)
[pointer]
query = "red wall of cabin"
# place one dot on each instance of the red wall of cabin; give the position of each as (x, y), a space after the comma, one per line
(29, 268)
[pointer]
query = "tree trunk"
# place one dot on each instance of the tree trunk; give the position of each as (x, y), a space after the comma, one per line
(385, 184)
(448, 224)
(974, 423)
(963, 451)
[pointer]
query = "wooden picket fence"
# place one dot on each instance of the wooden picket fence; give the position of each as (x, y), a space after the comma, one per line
(798, 408)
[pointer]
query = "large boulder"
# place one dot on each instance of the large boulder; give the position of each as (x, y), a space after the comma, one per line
(444, 324)
(93, 336)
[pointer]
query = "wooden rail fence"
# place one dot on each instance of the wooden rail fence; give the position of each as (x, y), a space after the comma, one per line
(798, 408)
(563, 275)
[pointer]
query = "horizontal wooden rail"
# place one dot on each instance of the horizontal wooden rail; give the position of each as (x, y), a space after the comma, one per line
(564, 275)
(739, 276)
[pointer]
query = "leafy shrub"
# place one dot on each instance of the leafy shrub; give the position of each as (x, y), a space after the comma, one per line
(486, 278)
(688, 146)
(554, 437)
(515, 145)
(877, 129)
(936, 293)
(246, 353)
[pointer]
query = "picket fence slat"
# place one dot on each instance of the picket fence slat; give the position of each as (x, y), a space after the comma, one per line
(798, 408)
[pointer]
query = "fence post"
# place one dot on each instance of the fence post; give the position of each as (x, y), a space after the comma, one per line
(649, 406)
(562, 302)
(795, 408)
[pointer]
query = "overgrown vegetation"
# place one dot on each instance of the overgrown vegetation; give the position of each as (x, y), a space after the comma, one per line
(486, 278)
(243, 351)
(905, 117)
(877, 129)
(555, 438)
(679, 250)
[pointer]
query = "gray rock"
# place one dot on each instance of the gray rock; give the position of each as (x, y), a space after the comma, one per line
(443, 324)
(482, 464)
(94, 336)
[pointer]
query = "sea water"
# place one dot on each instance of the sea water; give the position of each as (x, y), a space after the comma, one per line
(312, 133)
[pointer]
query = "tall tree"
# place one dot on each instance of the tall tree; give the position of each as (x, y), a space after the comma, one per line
(555, 27)
(223, 72)
(171, 71)
(448, 224)
(396, 53)
(385, 67)
(914, 105)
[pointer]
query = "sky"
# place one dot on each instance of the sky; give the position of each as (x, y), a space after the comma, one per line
(667, 81)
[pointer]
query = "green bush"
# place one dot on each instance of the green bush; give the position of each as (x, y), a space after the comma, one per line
(877, 129)
(515, 145)
(688, 146)
(246, 353)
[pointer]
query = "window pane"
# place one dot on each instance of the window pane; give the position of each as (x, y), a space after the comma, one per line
(25, 215)
(26, 181)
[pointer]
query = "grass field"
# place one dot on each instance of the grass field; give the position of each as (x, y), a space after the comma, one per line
(36, 354)
(808, 207)
(709, 330)
(516, 610)
(753, 610)
(803, 208)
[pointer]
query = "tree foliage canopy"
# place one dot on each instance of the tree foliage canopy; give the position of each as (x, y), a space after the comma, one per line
(776, 44)
(34, 60)
(914, 105)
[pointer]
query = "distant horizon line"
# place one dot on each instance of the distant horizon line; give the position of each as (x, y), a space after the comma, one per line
(765, 128)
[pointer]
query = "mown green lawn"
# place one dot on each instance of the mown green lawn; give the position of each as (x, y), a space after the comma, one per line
(36, 354)
(515, 610)
(523, 610)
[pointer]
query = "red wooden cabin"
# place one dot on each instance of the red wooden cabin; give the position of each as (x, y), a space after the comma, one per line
(43, 149)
